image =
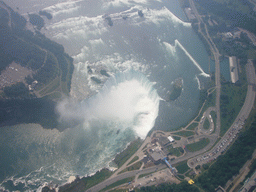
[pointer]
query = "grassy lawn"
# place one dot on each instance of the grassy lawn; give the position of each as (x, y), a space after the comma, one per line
(192, 126)
(87, 182)
(206, 125)
(182, 167)
(214, 116)
(232, 100)
(135, 166)
(50, 87)
(184, 133)
(198, 145)
(133, 160)
(120, 182)
(122, 157)
(54, 96)
(175, 151)
(176, 137)
(145, 174)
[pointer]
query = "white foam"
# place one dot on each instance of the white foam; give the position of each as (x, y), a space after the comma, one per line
(162, 15)
(128, 101)
(63, 8)
(191, 58)
(198, 82)
(170, 48)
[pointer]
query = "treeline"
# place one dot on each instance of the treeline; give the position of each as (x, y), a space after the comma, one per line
(229, 164)
(18, 90)
(36, 20)
(236, 18)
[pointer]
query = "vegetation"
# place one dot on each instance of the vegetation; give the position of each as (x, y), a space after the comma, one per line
(231, 101)
(135, 166)
(122, 157)
(133, 160)
(176, 92)
(182, 167)
(175, 151)
(86, 182)
(120, 182)
(198, 145)
(52, 69)
(182, 187)
(231, 162)
(192, 126)
(36, 20)
(206, 124)
(233, 17)
(176, 138)
(184, 133)
(146, 174)
(18, 90)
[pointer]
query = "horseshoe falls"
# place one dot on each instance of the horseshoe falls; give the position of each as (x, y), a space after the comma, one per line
(124, 73)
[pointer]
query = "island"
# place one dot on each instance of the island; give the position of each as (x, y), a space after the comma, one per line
(177, 89)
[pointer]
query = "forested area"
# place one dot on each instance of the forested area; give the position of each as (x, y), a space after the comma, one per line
(229, 164)
(236, 18)
(32, 50)
(18, 90)
(46, 58)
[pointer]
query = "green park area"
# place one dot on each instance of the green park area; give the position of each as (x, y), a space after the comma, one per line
(198, 145)
(231, 101)
(120, 182)
(86, 182)
(192, 126)
(184, 133)
(206, 125)
(133, 160)
(182, 167)
(135, 166)
(122, 157)
(175, 151)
